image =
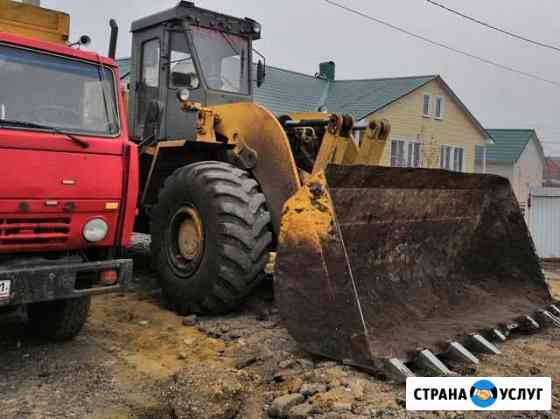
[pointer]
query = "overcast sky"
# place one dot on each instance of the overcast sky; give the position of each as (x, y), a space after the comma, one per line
(299, 34)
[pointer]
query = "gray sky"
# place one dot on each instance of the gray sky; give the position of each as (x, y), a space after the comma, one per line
(299, 34)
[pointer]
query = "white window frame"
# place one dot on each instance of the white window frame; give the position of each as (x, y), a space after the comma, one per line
(451, 164)
(406, 157)
(410, 158)
(441, 101)
(484, 150)
(429, 114)
(397, 161)
(456, 167)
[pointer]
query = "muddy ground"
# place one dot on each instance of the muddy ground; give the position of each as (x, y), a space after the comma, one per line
(136, 359)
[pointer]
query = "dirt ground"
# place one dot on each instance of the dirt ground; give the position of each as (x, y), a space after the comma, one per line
(136, 359)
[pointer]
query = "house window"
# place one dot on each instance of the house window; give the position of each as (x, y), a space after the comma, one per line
(445, 157)
(458, 154)
(439, 107)
(452, 158)
(405, 153)
(397, 153)
(427, 106)
(413, 154)
(480, 159)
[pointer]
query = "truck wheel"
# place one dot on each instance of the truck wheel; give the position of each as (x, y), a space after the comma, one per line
(59, 320)
(210, 237)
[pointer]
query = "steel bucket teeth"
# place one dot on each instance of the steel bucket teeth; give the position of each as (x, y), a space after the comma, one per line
(481, 345)
(458, 352)
(555, 310)
(427, 359)
(549, 318)
(397, 370)
(528, 324)
(495, 335)
(510, 327)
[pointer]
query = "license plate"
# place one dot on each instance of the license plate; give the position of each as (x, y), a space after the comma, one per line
(5, 290)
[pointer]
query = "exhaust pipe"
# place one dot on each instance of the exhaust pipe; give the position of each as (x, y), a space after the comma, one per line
(113, 39)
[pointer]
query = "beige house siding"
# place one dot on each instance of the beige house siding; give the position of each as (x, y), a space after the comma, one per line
(455, 129)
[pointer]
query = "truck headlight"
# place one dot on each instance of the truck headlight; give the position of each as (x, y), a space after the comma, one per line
(95, 230)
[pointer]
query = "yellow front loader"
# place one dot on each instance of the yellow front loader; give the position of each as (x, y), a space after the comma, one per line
(382, 268)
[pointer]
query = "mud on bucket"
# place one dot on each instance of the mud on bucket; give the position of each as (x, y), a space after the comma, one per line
(376, 263)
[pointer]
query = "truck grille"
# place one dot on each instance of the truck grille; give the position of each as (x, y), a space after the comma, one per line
(21, 232)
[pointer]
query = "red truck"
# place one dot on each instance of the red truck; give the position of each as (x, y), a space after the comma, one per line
(69, 182)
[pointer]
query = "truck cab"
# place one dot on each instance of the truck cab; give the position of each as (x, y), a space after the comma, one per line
(69, 180)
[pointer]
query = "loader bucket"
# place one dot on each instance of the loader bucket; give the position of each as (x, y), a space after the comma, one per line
(376, 263)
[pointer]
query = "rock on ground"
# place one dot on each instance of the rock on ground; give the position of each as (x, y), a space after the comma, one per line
(282, 405)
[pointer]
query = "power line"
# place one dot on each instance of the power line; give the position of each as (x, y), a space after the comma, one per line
(488, 25)
(442, 45)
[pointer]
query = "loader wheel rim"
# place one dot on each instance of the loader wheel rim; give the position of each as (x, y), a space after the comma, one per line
(186, 240)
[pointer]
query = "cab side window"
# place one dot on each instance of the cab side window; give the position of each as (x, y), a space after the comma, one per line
(182, 71)
(149, 77)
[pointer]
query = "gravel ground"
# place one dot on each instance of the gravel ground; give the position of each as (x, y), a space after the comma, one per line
(136, 359)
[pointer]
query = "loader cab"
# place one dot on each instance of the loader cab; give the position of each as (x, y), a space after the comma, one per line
(186, 51)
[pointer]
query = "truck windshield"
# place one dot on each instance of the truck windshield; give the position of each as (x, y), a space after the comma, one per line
(224, 59)
(61, 93)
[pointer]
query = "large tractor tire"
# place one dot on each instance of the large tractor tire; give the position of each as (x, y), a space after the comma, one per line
(210, 237)
(59, 320)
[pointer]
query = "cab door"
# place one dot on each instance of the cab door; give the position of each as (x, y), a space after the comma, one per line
(180, 72)
(145, 80)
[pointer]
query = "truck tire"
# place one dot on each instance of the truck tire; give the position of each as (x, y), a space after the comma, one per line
(59, 320)
(210, 237)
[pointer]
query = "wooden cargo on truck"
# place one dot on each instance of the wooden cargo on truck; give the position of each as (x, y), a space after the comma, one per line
(34, 22)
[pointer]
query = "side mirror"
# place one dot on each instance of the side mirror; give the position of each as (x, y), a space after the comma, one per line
(261, 73)
(85, 40)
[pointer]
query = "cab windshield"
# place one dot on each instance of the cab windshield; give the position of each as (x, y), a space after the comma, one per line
(65, 94)
(224, 59)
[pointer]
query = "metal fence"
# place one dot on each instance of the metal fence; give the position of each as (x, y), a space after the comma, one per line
(544, 221)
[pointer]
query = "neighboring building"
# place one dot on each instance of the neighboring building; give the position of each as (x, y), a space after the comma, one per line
(431, 127)
(544, 221)
(517, 154)
(552, 172)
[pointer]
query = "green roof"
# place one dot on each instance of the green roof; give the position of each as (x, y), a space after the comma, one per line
(362, 97)
(509, 144)
(286, 91)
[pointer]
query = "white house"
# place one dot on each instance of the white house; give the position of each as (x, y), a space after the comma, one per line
(517, 155)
